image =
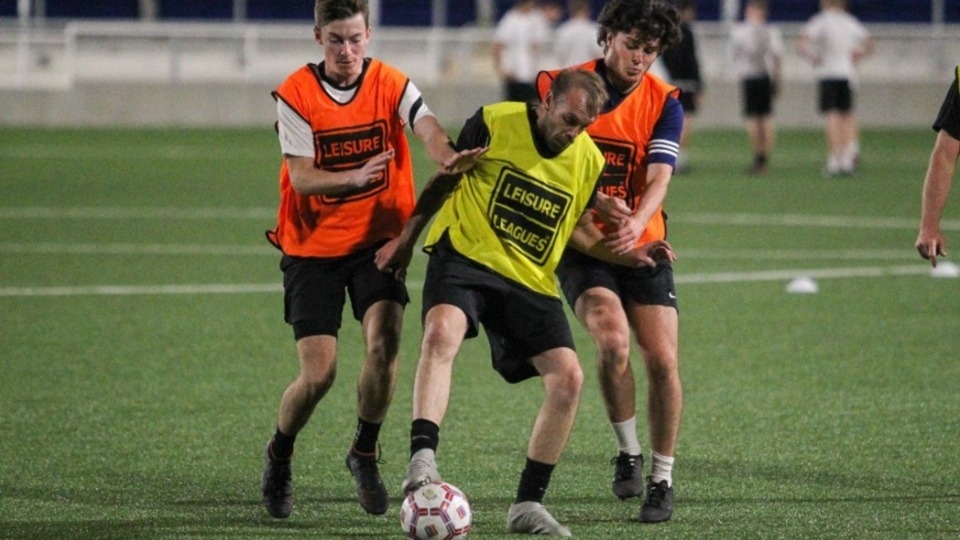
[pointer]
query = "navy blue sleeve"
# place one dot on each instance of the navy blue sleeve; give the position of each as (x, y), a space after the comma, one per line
(665, 141)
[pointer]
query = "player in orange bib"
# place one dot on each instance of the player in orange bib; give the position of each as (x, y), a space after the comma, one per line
(346, 189)
(638, 131)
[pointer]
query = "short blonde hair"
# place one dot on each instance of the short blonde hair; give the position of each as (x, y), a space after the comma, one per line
(588, 81)
(327, 11)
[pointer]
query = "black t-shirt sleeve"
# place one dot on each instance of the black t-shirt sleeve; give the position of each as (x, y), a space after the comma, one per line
(475, 133)
(593, 194)
(949, 118)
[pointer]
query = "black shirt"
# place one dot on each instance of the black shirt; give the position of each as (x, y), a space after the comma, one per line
(949, 118)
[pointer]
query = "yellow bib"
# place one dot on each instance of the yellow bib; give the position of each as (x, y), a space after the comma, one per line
(515, 210)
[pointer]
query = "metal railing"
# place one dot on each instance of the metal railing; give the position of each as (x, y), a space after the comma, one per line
(174, 53)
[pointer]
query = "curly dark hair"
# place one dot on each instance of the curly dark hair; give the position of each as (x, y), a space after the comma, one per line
(652, 19)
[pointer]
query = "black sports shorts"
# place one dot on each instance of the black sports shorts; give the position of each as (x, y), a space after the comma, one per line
(314, 290)
(757, 96)
(519, 323)
(644, 286)
(835, 95)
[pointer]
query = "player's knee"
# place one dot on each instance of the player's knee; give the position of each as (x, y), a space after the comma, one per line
(566, 386)
(382, 348)
(613, 349)
(440, 340)
(315, 383)
(661, 367)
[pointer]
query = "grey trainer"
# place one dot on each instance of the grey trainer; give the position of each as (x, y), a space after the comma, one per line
(530, 517)
(421, 470)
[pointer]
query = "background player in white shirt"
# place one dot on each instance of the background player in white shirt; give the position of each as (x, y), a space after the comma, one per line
(518, 43)
(576, 39)
(756, 55)
(834, 41)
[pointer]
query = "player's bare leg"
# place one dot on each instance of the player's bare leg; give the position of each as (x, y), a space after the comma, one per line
(318, 370)
(601, 312)
(382, 324)
(562, 380)
(317, 373)
(834, 128)
(657, 330)
(444, 328)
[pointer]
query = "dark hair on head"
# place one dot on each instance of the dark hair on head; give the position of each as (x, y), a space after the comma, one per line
(651, 19)
(588, 81)
(575, 6)
(327, 11)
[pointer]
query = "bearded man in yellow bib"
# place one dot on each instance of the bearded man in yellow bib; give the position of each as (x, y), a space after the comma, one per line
(499, 232)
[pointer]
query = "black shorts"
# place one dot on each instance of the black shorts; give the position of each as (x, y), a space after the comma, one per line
(835, 95)
(519, 323)
(644, 286)
(757, 96)
(314, 290)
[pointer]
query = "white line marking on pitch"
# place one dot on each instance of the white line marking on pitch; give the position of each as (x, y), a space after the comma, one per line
(803, 220)
(220, 288)
(129, 290)
(128, 212)
(55, 248)
(766, 220)
(817, 273)
(48, 248)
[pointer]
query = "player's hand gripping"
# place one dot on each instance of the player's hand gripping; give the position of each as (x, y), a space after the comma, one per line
(372, 170)
(615, 213)
(394, 256)
(652, 252)
(462, 161)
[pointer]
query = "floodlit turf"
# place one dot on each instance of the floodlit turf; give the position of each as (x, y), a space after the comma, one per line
(136, 403)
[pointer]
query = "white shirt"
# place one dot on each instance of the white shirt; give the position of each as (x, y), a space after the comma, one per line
(576, 42)
(754, 48)
(834, 36)
(521, 35)
(296, 135)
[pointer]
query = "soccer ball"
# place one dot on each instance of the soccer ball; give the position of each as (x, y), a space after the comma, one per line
(436, 511)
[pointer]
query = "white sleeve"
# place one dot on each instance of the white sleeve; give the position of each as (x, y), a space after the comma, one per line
(862, 32)
(296, 136)
(501, 34)
(412, 108)
(776, 42)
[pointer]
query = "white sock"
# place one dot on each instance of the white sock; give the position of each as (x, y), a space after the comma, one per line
(662, 469)
(833, 164)
(854, 148)
(848, 159)
(626, 433)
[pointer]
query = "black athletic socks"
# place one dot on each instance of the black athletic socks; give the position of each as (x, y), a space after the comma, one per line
(424, 434)
(534, 481)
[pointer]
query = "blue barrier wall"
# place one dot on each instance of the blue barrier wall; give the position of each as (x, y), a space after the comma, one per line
(459, 12)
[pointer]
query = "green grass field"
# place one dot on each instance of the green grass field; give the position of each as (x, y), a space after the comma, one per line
(143, 354)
